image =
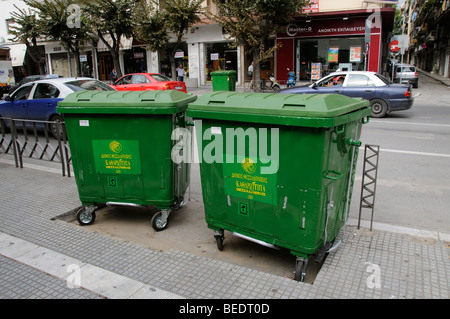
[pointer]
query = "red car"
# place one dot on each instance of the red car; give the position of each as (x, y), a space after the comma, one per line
(147, 82)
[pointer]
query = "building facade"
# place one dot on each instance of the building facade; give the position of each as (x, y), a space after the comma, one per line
(334, 34)
(351, 35)
(427, 24)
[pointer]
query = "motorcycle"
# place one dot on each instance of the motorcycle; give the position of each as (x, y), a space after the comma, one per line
(273, 87)
(291, 80)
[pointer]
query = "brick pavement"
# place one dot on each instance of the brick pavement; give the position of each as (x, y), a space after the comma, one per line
(368, 265)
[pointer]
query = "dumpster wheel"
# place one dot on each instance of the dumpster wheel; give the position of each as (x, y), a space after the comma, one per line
(160, 220)
(220, 237)
(86, 215)
(300, 268)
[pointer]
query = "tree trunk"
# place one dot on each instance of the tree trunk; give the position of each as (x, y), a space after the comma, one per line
(256, 71)
(116, 62)
(114, 49)
(77, 63)
(34, 54)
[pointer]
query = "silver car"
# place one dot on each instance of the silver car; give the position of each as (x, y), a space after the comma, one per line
(407, 74)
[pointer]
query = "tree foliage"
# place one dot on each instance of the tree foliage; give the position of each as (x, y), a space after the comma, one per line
(251, 23)
(61, 20)
(112, 17)
(26, 30)
(151, 26)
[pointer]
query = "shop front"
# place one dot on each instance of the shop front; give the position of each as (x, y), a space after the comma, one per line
(62, 63)
(219, 57)
(322, 43)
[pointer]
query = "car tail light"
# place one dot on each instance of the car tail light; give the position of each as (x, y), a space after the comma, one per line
(166, 87)
(408, 93)
(416, 75)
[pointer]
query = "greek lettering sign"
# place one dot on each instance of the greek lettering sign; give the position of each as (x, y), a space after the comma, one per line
(116, 156)
(244, 180)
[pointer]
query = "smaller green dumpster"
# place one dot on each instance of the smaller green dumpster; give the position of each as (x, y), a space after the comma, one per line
(224, 80)
(278, 169)
(121, 144)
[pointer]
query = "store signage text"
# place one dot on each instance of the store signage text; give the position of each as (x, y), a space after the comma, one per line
(321, 29)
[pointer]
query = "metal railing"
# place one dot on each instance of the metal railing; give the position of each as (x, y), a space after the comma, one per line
(34, 139)
(369, 181)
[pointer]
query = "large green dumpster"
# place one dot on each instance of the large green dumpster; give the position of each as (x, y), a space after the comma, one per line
(121, 147)
(224, 80)
(278, 168)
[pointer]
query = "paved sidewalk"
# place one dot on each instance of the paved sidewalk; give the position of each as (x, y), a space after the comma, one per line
(437, 77)
(36, 253)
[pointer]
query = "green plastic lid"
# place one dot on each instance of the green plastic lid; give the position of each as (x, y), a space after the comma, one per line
(125, 102)
(223, 73)
(312, 110)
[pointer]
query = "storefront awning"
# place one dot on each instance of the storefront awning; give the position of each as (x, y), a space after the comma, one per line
(17, 53)
(125, 43)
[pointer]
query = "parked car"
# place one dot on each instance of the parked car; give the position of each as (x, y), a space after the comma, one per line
(406, 73)
(31, 78)
(384, 96)
(147, 82)
(38, 100)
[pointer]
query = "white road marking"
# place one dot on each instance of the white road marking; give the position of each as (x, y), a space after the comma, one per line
(93, 278)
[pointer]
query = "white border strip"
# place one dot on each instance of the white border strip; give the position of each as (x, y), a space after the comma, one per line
(92, 278)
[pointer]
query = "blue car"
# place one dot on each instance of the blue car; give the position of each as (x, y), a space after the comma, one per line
(37, 100)
(384, 96)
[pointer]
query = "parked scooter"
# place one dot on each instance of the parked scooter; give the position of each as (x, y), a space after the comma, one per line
(291, 80)
(274, 85)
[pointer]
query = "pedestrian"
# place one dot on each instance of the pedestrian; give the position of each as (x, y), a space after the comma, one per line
(113, 75)
(180, 72)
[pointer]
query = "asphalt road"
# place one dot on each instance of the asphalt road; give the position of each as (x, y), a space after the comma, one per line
(414, 164)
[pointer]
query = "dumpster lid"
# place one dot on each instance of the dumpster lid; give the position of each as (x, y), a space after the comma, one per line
(312, 110)
(224, 72)
(125, 102)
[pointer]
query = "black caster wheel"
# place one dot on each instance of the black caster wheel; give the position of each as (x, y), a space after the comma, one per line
(86, 216)
(219, 241)
(220, 237)
(300, 269)
(159, 222)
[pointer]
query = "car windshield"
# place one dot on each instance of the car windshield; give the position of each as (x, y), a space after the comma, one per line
(79, 85)
(407, 69)
(382, 78)
(160, 77)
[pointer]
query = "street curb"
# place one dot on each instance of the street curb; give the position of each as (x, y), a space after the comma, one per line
(445, 82)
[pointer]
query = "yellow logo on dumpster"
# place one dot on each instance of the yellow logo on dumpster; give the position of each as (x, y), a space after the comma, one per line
(248, 165)
(115, 146)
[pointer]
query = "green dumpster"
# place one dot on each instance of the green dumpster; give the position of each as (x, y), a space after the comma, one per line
(278, 169)
(224, 80)
(121, 147)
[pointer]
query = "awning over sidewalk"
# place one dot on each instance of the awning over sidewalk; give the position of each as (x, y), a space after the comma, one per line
(125, 43)
(17, 52)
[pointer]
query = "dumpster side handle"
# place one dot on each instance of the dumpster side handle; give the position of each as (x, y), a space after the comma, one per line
(353, 142)
(328, 175)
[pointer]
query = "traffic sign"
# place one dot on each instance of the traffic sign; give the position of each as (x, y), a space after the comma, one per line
(394, 46)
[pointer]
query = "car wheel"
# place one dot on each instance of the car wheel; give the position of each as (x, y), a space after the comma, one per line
(379, 108)
(416, 85)
(57, 127)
